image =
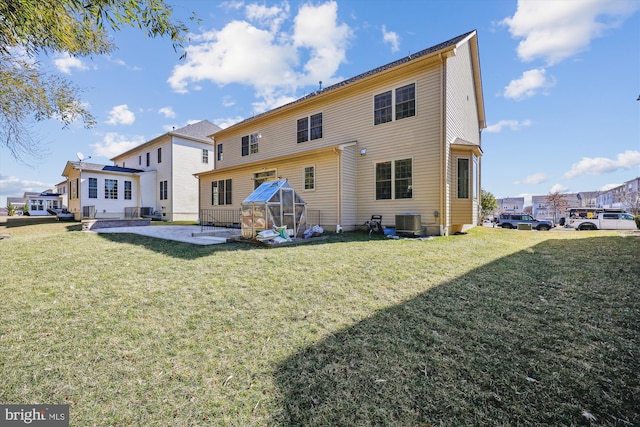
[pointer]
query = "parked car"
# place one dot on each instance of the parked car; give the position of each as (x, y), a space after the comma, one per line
(511, 220)
(604, 221)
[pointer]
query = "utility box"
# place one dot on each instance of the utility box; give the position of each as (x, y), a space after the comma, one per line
(409, 223)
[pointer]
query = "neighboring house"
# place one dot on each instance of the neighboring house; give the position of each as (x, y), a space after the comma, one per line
(583, 199)
(61, 189)
(37, 204)
(625, 196)
(156, 176)
(403, 138)
(103, 191)
(510, 205)
(17, 202)
(41, 204)
(174, 156)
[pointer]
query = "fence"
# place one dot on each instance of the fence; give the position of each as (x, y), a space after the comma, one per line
(211, 218)
(230, 218)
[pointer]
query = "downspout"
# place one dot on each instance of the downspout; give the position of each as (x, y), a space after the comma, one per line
(339, 185)
(443, 181)
(199, 201)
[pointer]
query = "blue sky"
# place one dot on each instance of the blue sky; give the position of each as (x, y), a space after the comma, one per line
(561, 80)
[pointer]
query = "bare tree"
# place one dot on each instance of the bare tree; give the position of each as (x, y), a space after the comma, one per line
(557, 204)
(630, 199)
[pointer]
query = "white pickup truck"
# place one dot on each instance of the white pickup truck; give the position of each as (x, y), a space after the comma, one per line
(604, 221)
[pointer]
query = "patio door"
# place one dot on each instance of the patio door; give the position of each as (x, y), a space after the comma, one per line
(260, 177)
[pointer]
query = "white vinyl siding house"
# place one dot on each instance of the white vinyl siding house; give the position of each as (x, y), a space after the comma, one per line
(159, 179)
(174, 157)
(397, 115)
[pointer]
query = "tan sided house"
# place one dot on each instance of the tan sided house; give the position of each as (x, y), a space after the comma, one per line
(402, 141)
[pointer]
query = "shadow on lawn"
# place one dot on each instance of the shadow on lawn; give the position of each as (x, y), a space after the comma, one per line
(191, 251)
(547, 336)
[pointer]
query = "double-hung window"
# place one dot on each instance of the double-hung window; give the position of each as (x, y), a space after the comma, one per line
(127, 190)
(250, 144)
(164, 190)
(110, 188)
(205, 155)
(93, 188)
(310, 178)
(402, 101)
(406, 101)
(219, 152)
(463, 178)
(309, 128)
(303, 130)
(382, 108)
(159, 154)
(221, 192)
(148, 159)
(394, 179)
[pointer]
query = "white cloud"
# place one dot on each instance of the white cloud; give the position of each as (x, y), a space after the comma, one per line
(65, 63)
(536, 178)
(123, 64)
(392, 38)
(10, 186)
(600, 165)
(225, 122)
(558, 188)
(260, 54)
(113, 144)
(511, 124)
(121, 115)
(167, 112)
(317, 29)
(528, 84)
(556, 30)
(228, 101)
(272, 17)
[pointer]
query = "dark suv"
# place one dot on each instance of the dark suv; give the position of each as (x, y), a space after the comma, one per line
(509, 220)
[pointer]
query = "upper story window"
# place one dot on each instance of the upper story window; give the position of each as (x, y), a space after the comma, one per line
(394, 180)
(404, 104)
(160, 155)
(382, 108)
(110, 188)
(205, 155)
(309, 128)
(93, 188)
(250, 144)
(139, 160)
(219, 152)
(148, 159)
(303, 130)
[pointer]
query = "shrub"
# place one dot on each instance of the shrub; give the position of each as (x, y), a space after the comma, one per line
(637, 218)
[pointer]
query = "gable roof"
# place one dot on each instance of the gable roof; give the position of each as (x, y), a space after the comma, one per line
(199, 131)
(438, 48)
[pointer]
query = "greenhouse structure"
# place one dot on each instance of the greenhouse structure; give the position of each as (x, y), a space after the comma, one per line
(273, 205)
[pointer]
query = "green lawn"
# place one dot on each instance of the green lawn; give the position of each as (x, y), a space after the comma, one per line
(495, 327)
